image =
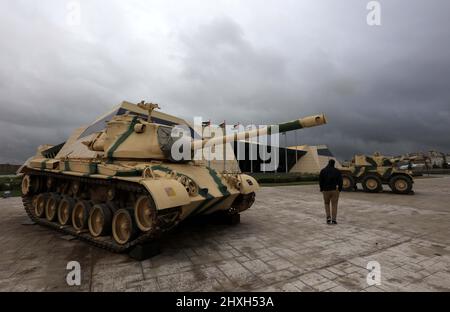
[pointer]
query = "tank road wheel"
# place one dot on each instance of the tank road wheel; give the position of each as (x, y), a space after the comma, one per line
(30, 185)
(51, 208)
(41, 202)
(34, 201)
(80, 215)
(348, 183)
(100, 220)
(372, 184)
(145, 213)
(400, 184)
(65, 210)
(123, 228)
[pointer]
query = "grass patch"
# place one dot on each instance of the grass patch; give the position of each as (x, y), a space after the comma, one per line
(12, 184)
(288, 184)
(285, 178)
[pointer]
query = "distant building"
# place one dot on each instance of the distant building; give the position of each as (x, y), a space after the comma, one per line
(315, 158)
(302, 159)
(7, 169)
(437, 159)
(431, 159)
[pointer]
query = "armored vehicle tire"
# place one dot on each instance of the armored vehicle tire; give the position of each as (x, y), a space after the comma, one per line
(100, 220)
(80, 215)
(65, 210)
(41, 202)
(51, 207)
(30, 185)
(372, 184)
(123, 227)
(145, 213)
(348, 183)
(401, 184)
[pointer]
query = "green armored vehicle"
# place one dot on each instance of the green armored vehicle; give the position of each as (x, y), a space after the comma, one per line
(374, 171)
(116, 185)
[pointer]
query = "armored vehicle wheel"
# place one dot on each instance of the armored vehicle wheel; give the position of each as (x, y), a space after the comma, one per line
(100, 220)
(400, 184)
(26, 185)
(80, 215)
(51, 208)
(145, 213)
(65, 210)
(372, 184)
(30, 185)
(34, 201)
(41, 202)
(123, 228)
(348, 183)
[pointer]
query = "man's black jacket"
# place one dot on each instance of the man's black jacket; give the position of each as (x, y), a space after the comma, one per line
(330, 179)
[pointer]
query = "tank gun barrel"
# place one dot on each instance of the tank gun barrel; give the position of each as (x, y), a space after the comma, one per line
(306, 122)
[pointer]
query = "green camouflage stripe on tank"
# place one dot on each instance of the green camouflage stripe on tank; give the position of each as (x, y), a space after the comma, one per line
(203, 204)
(203, 192)
(162, 168)
(44, 164)
(66, 165)
(289, 126)
(222, 188)
(214, 205)
(93, 168)
(122, 139)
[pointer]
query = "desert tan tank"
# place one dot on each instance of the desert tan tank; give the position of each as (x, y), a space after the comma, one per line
(117, 186)
(375, 171)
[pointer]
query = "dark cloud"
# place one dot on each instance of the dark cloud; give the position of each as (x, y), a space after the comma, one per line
(383, 88)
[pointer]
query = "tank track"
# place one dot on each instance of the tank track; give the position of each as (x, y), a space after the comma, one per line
(106, 242)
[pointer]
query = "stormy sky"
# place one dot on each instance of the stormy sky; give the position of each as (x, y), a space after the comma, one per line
(384, 88)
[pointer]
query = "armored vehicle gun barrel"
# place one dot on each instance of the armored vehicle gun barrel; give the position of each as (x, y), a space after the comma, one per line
(305, 122)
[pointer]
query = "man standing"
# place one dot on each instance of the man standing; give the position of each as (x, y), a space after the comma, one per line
(331, 185)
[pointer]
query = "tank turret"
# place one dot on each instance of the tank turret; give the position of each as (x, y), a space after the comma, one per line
(131, 137)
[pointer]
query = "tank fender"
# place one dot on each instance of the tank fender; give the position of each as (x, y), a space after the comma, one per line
(166, 193)
(248, 184)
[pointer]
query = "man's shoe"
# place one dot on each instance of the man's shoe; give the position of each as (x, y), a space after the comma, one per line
(334, 222)
(328, 220)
